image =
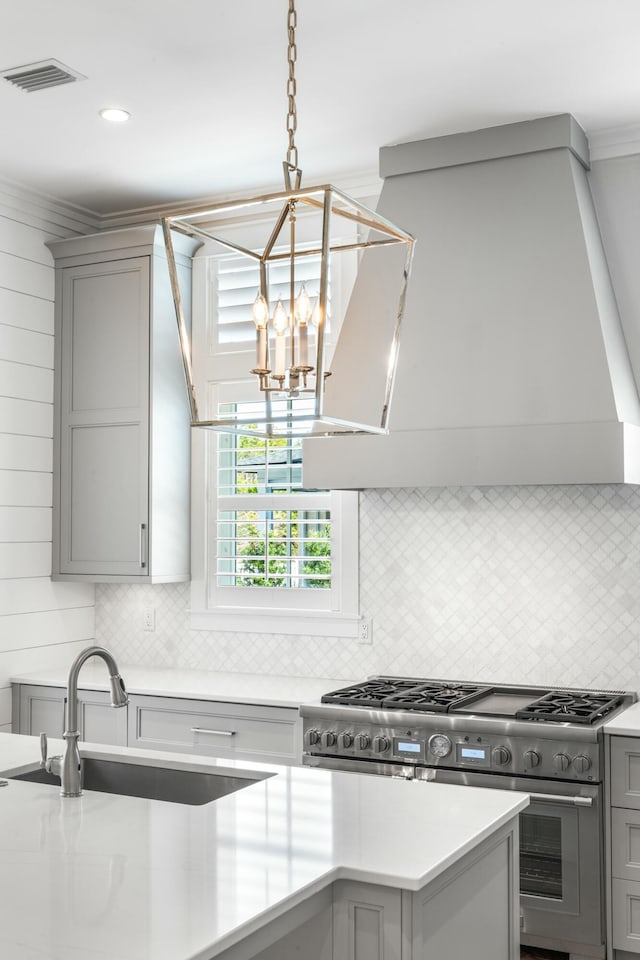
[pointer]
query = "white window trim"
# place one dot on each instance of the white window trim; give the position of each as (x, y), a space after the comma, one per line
(343, 620)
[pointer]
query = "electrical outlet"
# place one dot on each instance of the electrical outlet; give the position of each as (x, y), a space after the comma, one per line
(364, 630)
(149, 618)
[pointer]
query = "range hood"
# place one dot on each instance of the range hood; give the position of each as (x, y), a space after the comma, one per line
(513, 367)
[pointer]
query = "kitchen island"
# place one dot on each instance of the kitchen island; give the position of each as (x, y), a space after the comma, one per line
(299, 862)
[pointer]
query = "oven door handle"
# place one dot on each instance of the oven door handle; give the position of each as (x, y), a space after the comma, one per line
(560, 798)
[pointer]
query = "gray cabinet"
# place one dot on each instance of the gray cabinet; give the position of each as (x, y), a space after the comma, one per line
(215, 729)
(624, 843)
(470, 910)
(39, 709)
(207, 728)
(121, 418)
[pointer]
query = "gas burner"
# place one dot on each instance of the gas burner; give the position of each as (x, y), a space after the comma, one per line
(561, 707)
(436, 697)
(372, 693)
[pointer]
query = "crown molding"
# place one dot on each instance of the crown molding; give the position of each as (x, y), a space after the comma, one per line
(57, 217)
(362, 186)
(614, 142)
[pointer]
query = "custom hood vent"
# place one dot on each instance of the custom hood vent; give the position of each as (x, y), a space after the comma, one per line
(513, 366)
(41, 76)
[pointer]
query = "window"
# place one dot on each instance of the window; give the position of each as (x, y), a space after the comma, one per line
(268, 555)
(266, 535)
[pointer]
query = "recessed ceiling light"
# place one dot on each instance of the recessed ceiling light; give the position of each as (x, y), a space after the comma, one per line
(114, 114)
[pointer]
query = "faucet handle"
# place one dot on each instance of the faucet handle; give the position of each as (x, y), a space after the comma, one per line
(43, 749)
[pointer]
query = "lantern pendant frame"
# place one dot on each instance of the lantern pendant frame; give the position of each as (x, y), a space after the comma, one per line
(376, 231)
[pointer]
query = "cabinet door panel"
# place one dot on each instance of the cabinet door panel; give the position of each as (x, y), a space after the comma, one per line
(106, 503)
(625, 772)
(367, 922)
(100, 722)
(41, 710)
(625, 843)
(626, 915)
(107, 303)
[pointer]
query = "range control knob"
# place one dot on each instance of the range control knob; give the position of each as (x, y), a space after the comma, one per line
(362, 741)
(380, 744)
(501, 756)
(328, 738)
(344, 741)
(581, 763)
(561, 762)
(312, 738)
(532, 758)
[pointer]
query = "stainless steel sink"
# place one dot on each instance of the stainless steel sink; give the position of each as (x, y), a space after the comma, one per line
(154, 783)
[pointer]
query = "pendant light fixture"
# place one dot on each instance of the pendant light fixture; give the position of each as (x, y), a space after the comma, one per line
(322, 366)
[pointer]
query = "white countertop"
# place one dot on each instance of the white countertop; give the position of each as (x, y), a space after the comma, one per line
(195, 684)
(106, 877)
(625, 724)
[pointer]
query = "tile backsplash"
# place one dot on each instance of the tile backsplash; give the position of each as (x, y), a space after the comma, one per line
(510, 584)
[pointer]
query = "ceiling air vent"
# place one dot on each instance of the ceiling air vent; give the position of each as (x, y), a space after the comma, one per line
(41, 76)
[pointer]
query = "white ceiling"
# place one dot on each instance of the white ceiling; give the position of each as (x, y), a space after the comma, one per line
(205, 83)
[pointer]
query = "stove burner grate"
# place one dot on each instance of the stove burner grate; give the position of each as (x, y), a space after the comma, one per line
(435, 697)
(399, 693)
(562, 707)
(372, 693)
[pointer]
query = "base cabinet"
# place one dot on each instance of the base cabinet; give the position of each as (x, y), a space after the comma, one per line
(623, 831)
(207, 727)
(469, 911)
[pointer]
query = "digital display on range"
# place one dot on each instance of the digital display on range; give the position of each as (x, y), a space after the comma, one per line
(478, 755)
(411, 749)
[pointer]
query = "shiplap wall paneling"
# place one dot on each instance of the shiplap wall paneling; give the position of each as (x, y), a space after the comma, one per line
(42, 624)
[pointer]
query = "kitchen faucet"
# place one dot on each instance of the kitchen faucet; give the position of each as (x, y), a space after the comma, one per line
(68, 767)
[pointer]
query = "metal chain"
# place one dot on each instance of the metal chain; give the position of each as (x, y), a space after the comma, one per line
(292, 116)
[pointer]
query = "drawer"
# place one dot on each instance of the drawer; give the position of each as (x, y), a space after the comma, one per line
(625, 916)
(625, 772)
(214, 729)
(625, 844)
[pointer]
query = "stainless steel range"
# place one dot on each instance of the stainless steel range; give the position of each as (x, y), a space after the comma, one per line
(541, 741)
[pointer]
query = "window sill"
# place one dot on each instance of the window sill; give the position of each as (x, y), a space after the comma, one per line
(241, 620)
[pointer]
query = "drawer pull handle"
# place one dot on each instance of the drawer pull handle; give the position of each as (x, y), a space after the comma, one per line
(215, 733)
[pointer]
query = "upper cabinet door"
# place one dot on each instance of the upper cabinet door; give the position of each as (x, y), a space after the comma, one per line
(104, 418)
(121, 412)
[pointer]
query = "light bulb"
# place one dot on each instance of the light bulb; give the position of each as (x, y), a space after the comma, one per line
(316, 316)
(260, 311)
(280, 318)
(303, 306)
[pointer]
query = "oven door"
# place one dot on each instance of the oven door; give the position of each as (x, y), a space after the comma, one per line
(561, 889)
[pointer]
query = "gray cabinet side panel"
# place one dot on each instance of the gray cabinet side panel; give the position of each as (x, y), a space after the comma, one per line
(170, 431)
(473, 912)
